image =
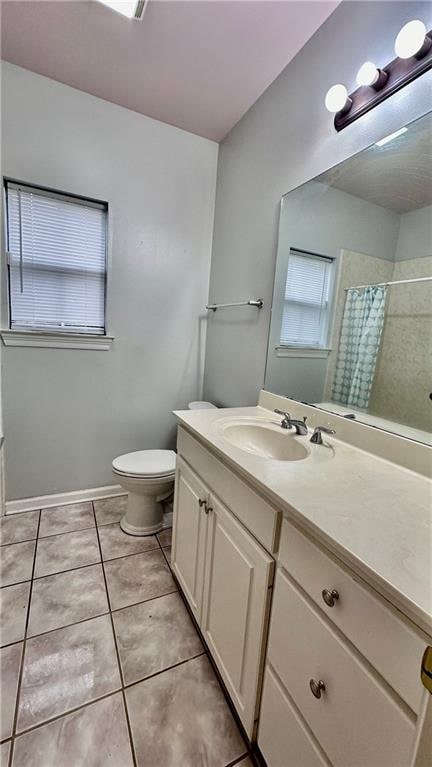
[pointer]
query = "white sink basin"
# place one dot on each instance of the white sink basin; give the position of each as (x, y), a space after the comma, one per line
(266, 439)
(259, 439)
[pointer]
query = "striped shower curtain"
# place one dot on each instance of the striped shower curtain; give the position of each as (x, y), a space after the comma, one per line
(359, 344)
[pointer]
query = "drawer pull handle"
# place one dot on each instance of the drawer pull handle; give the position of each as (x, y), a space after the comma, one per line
(330, 597)
(317, 687)
(202, 502)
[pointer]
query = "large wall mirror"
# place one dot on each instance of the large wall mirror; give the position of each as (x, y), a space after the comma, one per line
(351, 328)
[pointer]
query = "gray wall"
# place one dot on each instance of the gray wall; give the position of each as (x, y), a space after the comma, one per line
(68, 413)
(286, 138)
(415, 234)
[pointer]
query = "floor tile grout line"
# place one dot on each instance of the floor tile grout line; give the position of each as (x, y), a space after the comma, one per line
(65, 532)
(14, 543)
(74, 710)
(21, 639)
(80, 530)
(92, 617)
(98, 562)
(21, 671)
(128, 724)
(68, 625)
(10, 644)
(144, 601)
(17, 583)
(238, 760)
(163, 670)
(160, 545)
(90, 564)
(71, 570)
(134, 554)
(167, 559)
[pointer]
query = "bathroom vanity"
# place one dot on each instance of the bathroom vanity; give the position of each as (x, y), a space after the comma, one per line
(307, 569)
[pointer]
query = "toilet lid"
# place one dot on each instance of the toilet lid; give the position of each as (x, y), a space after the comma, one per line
(201, 405)
(146, 463)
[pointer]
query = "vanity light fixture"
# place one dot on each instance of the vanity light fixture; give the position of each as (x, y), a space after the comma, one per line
(413, 47)
(132, 9)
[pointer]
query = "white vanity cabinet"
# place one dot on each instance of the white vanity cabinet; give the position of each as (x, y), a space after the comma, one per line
(224, 572)
(338, 664)
(345, 669)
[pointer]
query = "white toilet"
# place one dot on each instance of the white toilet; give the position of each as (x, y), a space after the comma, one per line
(148, 476)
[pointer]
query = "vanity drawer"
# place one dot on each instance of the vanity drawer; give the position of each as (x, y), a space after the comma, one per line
(356, 721)
(386, 640)
(282, 731)
(257, 515)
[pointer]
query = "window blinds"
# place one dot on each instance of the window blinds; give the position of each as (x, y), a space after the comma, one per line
(57, 261)
(306, 302)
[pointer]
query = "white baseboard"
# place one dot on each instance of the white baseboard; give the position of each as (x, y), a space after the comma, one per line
(62, 499)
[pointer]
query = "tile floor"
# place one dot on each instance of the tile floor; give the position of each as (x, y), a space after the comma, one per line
(100, 661)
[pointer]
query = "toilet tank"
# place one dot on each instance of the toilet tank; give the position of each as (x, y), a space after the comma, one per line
(201, 405)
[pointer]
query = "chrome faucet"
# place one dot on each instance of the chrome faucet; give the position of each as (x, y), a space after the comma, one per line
(288, 423)
(316, 437)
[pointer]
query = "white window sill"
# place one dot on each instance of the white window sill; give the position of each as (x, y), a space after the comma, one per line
(302, 351)
(56, 340)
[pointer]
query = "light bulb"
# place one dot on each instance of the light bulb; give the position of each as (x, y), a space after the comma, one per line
(410, 39)
(368, 74)
(336, 98)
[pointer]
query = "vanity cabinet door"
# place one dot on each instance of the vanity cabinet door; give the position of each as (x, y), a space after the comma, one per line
(189, 534)
(238, 575)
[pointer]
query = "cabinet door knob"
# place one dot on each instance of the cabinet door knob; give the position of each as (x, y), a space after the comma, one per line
(317, 687)
(330, 596)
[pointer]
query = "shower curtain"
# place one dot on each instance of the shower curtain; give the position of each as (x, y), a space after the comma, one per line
(359, 344)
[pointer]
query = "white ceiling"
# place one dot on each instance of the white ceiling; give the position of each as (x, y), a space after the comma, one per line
(195, 64)
(397, 176)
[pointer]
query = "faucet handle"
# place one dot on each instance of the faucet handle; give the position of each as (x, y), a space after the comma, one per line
(286, 420)
(282, 412)
(316, 437)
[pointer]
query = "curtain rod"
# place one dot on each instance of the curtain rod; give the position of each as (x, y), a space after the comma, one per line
(386, 284)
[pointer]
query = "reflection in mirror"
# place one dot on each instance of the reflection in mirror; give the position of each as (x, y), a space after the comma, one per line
(351, 328)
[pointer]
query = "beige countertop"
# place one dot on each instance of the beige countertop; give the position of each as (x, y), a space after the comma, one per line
(374, 515)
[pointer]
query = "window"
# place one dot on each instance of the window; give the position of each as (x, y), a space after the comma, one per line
(56, 261)
(306, 310)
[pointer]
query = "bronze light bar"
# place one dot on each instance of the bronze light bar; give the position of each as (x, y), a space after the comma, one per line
(399, 73)
(413, 48)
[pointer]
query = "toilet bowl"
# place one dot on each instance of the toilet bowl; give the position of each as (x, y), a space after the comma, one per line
(148, 476)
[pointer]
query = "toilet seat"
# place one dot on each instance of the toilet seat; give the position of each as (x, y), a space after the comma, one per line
(153, 464)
